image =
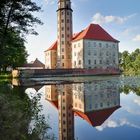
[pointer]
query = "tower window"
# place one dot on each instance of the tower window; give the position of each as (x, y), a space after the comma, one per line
(62, 35)
(68, 13)
(62, 56)
(62, 28)
(62, 49)
(62, 20)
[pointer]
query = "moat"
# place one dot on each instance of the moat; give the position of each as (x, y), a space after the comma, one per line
(84, 108)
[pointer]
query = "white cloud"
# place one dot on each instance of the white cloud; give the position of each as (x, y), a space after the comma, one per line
(101, 19)
(137, 101)
(136, 38)
(114, 124)
(50, 2)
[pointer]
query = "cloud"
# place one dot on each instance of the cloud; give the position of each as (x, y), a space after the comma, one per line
(136, 38)
(101, 19)
(50, 2)
(114, 124)
(137, 101)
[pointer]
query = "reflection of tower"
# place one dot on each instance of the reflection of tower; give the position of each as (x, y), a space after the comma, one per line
(66, 115)
(95, 101)
(64, 29)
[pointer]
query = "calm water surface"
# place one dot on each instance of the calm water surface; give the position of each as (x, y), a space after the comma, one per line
(91, 108)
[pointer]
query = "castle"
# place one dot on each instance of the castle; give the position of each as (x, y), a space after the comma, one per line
(92, 48)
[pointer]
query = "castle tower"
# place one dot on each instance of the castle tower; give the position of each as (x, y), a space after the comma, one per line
(66, 114)
(64, 31)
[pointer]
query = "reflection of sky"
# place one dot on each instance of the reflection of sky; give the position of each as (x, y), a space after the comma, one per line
(122, 124)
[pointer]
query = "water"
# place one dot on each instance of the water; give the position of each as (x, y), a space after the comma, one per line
(85, 108)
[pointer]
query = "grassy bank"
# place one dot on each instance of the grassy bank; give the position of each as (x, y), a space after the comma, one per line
(5, 76)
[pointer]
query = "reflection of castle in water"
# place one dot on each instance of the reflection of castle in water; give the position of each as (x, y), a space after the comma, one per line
(94, 102)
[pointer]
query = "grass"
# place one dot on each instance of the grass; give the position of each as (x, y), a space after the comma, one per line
(5, 76)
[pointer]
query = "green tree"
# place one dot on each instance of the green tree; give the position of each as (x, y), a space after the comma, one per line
(130, 62)
(16, 17)
(15, 52)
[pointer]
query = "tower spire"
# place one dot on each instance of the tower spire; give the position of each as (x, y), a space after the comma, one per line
(64, 34)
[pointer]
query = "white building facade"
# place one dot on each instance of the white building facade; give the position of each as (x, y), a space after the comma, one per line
(95, 53)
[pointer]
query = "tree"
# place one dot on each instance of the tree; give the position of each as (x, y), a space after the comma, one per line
(130, 62)
(16, 17)
(15, 51)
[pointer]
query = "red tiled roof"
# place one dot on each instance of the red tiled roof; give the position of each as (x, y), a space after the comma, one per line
(93, 31)
(96, 118)
(96, 32)
(53, 46)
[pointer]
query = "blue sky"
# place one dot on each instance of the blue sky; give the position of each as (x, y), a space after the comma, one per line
(120, 18)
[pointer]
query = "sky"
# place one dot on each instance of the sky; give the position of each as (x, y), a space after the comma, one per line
(120, 18)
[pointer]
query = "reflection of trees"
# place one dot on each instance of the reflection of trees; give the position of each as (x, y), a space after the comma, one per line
(18, 112)
(127, 89)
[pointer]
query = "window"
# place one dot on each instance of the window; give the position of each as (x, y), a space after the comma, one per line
(68, 28)
(107, 61)
(78, 44)
(62, 12)
(88, 52)
(74, 45)
(62, 42)
(79, 62)
(74, 53)
(62, 56)
(94, 44)
(88, 44)
(62, 49)
(113, 61)
(68, 21)
(62, 28)
(101, 104)
(68, 13)
(100, 61)
(106, 45)
(95, 62)
(63, 64)
(62, 20)
(100, 44)
(62, 35)
(74, 63)
(68, 35)
(89, 62)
